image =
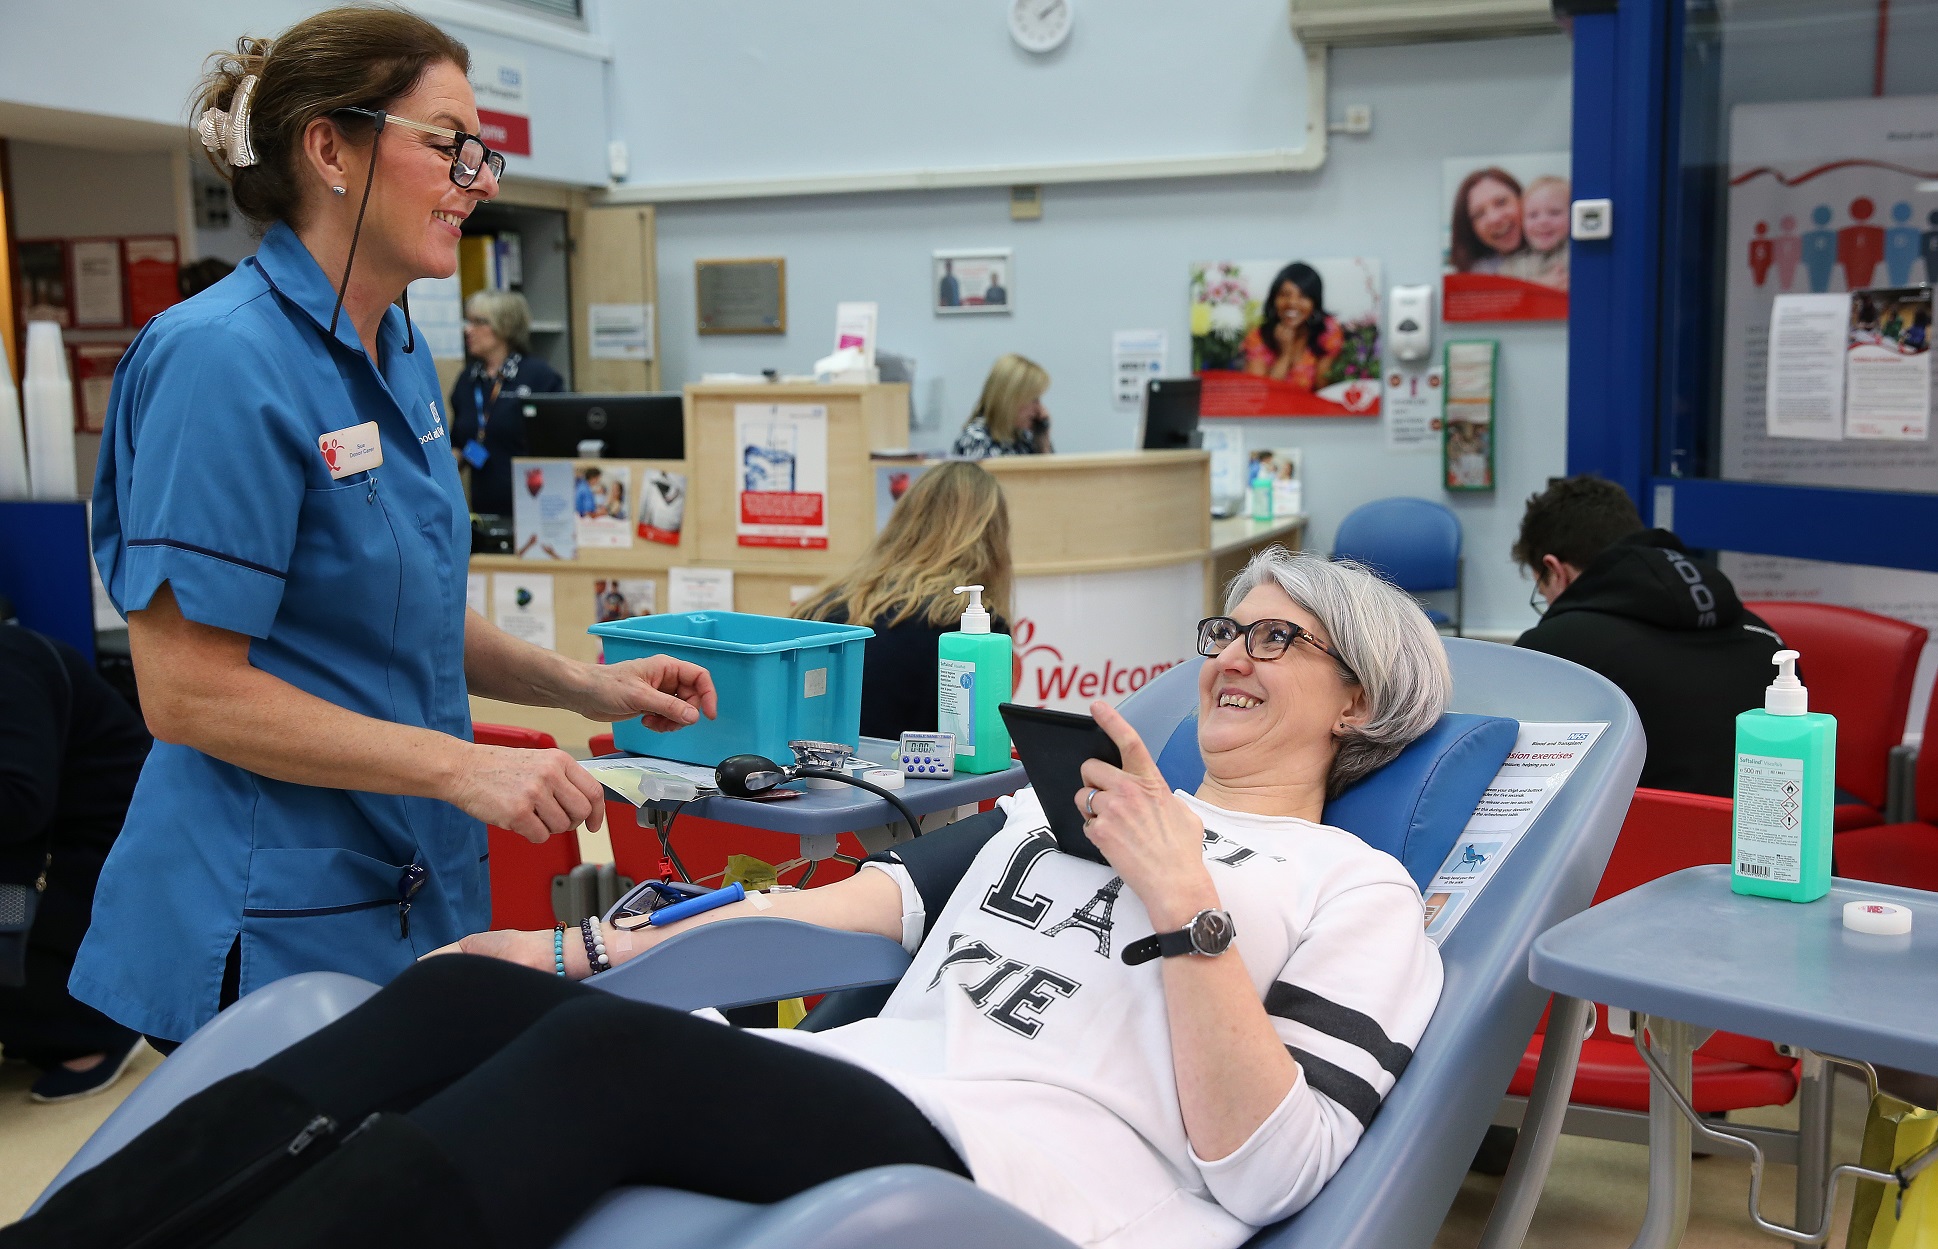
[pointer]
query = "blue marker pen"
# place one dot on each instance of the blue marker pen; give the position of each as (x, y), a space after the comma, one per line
(693, 906)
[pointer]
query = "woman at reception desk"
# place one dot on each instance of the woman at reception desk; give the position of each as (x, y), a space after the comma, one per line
(1009, 418)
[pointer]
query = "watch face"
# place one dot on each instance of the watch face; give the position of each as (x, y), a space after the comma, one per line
(1211, 932)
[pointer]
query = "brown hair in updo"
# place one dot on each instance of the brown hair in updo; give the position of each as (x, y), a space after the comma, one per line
(350, 57)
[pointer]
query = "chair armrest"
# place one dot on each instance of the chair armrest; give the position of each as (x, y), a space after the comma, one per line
(882, 1208)
(1901, 785)
(738, 962)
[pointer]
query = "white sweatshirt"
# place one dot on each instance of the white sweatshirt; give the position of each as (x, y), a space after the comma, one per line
(1046, 1061)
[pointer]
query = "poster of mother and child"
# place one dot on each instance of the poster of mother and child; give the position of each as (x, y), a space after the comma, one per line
(1301, 337)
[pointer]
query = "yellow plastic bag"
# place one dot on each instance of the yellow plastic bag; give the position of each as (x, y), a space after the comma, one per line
(1895, 1132)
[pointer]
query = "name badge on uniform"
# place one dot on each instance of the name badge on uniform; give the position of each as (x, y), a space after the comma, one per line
(351, 450)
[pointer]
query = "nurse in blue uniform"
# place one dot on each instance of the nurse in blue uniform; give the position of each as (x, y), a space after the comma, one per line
(278, 513)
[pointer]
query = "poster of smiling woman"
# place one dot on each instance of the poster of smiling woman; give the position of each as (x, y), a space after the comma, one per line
(1507, 238)
(1279, 338)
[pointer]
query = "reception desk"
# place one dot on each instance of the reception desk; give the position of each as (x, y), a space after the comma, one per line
(1116, 555)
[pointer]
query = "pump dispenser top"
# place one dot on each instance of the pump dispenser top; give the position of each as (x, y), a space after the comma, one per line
(1786, 695)
(976, 618)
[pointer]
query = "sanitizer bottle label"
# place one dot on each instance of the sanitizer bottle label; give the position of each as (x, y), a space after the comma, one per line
(1769, 818)
(955, 702)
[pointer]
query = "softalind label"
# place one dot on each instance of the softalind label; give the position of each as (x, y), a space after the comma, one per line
(1769, 818)
(955, 701)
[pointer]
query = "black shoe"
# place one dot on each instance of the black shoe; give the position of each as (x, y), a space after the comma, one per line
(190, 1177)
(387, 1183)
(62, 1084)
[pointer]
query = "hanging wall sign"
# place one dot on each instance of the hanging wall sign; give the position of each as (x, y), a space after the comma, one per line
(1467, 448)
(781, 474)
(1507, 238)
(504, 116)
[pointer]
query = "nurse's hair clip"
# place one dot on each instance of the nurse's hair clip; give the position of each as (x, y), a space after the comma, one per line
(227, 133)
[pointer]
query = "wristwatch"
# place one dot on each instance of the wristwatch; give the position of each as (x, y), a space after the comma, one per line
(1209, 933)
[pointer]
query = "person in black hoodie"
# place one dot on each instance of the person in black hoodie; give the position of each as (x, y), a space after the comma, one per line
(70, 751)
(1666, 627)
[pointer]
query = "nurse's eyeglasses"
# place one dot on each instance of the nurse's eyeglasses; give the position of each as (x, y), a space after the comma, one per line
(1264, 639)
(469, 155)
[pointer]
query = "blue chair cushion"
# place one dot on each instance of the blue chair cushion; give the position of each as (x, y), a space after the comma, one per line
(1415, 807)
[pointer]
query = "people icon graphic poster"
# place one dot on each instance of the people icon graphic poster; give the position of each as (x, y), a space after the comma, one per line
(1829, 198)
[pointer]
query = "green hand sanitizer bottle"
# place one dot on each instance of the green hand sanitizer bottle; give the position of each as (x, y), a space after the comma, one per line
(1786, 771)
(972, 680)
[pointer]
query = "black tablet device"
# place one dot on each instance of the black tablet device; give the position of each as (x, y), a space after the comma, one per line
(1053, 746)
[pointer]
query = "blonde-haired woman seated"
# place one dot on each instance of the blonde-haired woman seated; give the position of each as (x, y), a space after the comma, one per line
(1009, 418)
(487, 427)
(950, 529)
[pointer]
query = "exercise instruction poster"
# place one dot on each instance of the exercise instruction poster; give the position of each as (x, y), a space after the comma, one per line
(781, 475)
(1543, 758)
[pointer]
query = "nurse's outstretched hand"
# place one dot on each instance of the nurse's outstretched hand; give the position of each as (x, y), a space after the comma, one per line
(534, 793)
(670, 693)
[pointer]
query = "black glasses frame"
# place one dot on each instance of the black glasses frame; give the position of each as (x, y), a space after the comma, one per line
(462, 174)
(1258, 638)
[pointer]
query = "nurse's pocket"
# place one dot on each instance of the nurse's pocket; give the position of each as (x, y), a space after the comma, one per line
(321, 909)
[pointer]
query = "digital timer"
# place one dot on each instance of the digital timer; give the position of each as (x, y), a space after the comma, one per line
(931, 756)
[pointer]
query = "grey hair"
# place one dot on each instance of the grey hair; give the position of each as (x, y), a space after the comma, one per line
(509, 316)
(1391, 649)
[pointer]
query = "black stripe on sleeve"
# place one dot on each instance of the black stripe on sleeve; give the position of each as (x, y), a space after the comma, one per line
(1341, 1085)
(1303, 1006)
(202, 550)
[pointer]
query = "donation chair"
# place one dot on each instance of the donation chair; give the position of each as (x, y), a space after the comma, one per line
(1392, 1192)
(1904, 852)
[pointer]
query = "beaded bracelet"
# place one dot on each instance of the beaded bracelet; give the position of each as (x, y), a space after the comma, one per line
(596, 959)
(558, 948)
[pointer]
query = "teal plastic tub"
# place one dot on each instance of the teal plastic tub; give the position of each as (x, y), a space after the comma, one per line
(779, 680)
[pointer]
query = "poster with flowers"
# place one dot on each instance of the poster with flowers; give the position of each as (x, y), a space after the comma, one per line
(1272, 338)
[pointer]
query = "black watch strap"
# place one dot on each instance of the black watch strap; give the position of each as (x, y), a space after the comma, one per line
(1158, 945)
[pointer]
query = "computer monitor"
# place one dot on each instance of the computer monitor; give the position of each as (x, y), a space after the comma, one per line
(632, 427)
(1170, 413)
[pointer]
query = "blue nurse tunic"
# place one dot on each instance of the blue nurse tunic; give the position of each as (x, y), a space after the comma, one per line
(211, 479)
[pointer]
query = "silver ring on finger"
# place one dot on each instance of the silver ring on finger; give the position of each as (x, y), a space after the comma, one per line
(1089, 803)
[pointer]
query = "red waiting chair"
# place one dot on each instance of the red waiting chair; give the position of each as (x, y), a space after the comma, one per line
(1666, 832)
(522, 873)
(1860, 667)
(1907, 853)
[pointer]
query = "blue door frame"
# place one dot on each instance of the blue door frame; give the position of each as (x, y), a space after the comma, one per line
(1623, 410)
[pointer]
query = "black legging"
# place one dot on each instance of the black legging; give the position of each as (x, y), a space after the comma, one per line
(546, 1094)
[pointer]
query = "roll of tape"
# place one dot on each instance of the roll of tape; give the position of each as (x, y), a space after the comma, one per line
(1886, 919)
(886, 778)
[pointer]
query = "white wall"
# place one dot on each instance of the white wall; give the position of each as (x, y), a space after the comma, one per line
(1116, 256)
(745, 88)
(139, 62)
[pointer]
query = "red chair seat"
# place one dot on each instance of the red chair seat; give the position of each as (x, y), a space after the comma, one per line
(1849, 815)
(1612, 1075)
(1891, 854)
(521, 872)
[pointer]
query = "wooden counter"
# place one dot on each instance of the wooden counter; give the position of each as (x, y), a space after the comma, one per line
(1105, 512)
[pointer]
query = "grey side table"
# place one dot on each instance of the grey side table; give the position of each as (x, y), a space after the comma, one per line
(821, 814)
(1692, 957)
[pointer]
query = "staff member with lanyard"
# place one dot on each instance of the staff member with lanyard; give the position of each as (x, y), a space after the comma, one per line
(278, 516)
(487, 423)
